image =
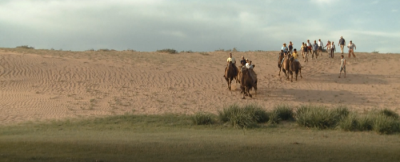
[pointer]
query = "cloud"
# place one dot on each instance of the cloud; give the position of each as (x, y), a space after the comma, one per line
(201, 25)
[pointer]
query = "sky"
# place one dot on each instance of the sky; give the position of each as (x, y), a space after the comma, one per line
(198, 25)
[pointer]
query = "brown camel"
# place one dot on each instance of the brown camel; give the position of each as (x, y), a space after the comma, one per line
(231, 72)
(246, 82)
(285, 66)
(294, 67)
(280, 63)
(251, 72)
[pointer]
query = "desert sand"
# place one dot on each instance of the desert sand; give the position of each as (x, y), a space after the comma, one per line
(42, 85)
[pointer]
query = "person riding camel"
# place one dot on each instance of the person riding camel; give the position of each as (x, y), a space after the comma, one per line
(285, 50)
(231, 60)
(295, 55)
(290, 47)
(243, 61)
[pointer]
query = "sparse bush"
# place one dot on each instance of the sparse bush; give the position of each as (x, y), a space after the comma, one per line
(385, 124)
(220, 50)
(234, 50)
(375, 51)
(170, 51)
(245, 117)
(25, 47)
(103, 50)
(318, 117)
(204, 53)
(284, 112)
(274, 118)
(201, 118)
(389, 113)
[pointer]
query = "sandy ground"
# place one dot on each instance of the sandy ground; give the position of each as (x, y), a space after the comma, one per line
(37, 85)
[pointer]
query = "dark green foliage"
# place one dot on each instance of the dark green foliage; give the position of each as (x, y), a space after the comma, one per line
(243, 117)
(320, 117)
(201, 118)
(386, 124)
(284, 112)
(25, 47)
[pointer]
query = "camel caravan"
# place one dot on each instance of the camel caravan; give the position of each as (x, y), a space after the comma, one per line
(244, 75)
(247, 78)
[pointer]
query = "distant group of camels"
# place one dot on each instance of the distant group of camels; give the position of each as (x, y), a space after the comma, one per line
(242, 75)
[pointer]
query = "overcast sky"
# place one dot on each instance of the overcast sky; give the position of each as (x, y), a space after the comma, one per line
(198, 25)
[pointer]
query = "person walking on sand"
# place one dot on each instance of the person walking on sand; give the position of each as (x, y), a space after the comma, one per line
(328, 47)
(320, 46)
(309, 46)
(314, 50)
(341, 43)
(351, 47)
(342, 67)
(332, 50)
(303, 49)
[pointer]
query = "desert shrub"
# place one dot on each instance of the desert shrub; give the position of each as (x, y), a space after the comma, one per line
(284, 112)
(234, 50)
(104, 50)
(204, 53)
(385, 124)
(243, 117)
(170, 51)
(318, 117)
(389, 113)
(375, 51)
(341, 112)
(274, 117)
(201, 118)
(354, 122)
(25, 47)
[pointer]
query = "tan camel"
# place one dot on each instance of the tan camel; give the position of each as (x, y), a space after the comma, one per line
(231, 72)
(247, 82)
(294, 67)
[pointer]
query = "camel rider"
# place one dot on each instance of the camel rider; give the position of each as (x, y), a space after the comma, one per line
(285, 51)
(232, 61)
(249, 65)
(243, 61)
(294, 55)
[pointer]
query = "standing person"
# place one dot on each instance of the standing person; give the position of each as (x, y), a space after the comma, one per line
(290, 47)
(314, 50)
(309, 46)
(333, 49)
(328, 47)
(303, 49)
(351, 47)
(342, 67)
(341, 43)
(320, 46)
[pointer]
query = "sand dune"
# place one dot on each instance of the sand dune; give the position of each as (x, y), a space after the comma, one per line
(46, 85)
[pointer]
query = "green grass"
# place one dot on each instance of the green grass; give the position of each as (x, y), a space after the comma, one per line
(243, 117)
(175, 138)
(320, 117)
(202, 118)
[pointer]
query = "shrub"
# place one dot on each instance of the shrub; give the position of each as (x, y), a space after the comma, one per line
(25, 47)
(274, 118)
(201, 118)
(385, 124)
(170, 51)
(354, 122)
(319, 117)
(245, 117)
(284, 112)
(389, 113)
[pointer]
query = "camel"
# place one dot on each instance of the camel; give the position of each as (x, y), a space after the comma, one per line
(246, 82)
(231, 72)
(285, 67)
(251, 72)
(280, 63)
(294, 67)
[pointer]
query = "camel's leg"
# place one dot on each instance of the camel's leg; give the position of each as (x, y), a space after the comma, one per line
(300, 73)
(229, 83)
(248, 91)
(243, 97)
(297, 72)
